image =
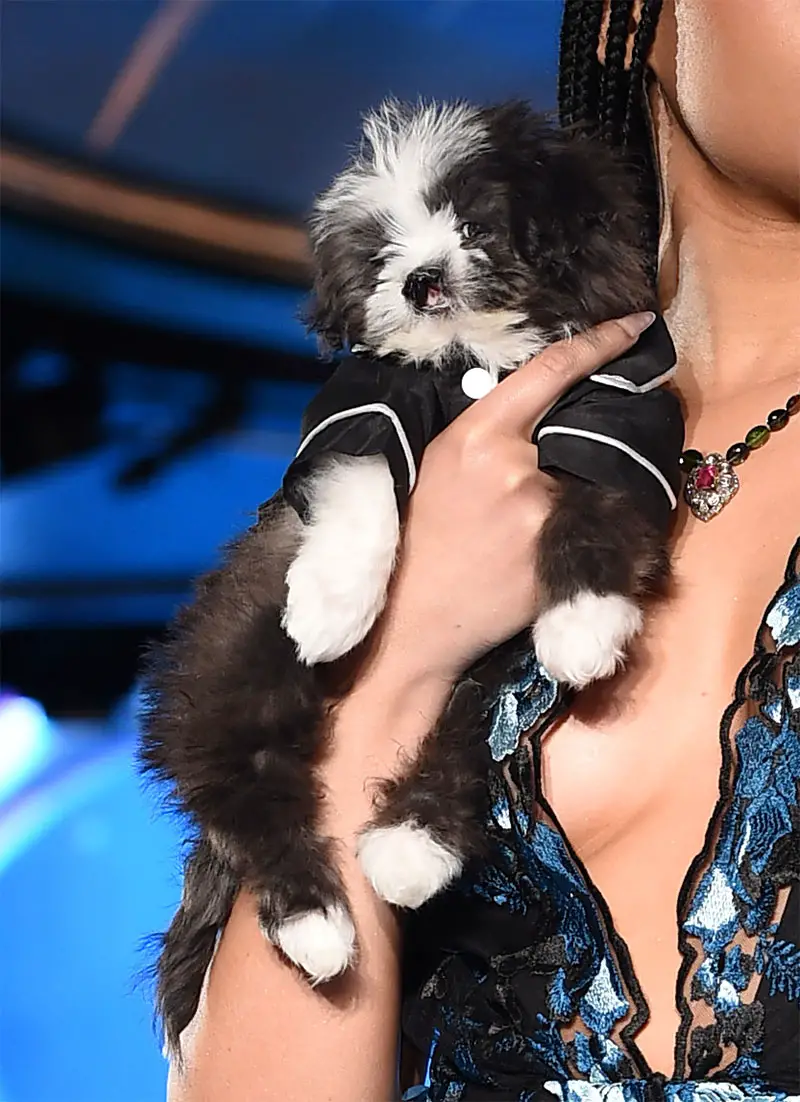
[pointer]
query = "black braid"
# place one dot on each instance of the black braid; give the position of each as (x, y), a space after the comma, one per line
(580, 79)
(635, 108)
(609, 100)
(614, 83)
(566, 53)
(637, 135)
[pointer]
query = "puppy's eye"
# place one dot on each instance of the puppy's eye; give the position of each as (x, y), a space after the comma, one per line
(470, 230)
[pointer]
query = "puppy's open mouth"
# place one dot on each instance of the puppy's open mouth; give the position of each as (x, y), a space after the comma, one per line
(425, 291)
(435, 298)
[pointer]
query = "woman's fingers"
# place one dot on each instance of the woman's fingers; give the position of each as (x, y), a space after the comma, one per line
(524, 397)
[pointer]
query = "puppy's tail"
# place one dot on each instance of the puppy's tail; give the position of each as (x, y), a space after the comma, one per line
(187, 948)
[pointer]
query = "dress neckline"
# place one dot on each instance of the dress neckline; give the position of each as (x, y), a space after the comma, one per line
(524, 988)
(765, 643)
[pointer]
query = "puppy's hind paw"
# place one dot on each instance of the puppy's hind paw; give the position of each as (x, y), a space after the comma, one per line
(405, 864)
(322, 943)
(585, 639)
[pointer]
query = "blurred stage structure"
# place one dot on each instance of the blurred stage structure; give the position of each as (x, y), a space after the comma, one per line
(158, 159)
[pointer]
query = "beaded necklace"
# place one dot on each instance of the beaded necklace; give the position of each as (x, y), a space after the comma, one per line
(711, 480)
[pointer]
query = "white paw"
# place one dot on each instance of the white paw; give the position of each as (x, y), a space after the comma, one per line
(405, 865)
(336, 586)
(585, 639)
(322, 943)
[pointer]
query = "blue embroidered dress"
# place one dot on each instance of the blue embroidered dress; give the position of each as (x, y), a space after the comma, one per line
(523, 990)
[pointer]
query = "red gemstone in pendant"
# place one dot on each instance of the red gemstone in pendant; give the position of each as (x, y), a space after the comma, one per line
(710, 486)
(706, 477)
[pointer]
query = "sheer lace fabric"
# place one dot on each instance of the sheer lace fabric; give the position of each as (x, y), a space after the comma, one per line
(532, 994)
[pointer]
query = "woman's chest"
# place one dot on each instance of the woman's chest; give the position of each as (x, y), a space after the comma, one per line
(633, 773)
(644, 748)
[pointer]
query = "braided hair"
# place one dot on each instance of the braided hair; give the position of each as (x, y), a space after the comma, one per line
(609, 100)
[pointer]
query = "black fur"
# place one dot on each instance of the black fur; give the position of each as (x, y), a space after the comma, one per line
(563, 241)
(594, 540)
(209, 891)
(235, 723)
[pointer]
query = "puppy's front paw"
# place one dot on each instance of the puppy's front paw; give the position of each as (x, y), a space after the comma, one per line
(585, 639)
(405, 865)
(331, 602)
(336, 586)
(322, 943)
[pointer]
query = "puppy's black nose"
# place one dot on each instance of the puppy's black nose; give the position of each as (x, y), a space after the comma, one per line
(424, 287)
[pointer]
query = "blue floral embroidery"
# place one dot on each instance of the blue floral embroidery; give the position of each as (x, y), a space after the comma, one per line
(580, 1091)
(518, 707)
(737, 893)
(783, 619)
(572, 957)
(779, 961)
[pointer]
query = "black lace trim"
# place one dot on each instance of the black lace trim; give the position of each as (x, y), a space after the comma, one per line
(751, 684)
(641, 1014)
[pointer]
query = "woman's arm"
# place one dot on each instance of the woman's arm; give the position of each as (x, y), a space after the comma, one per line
(263, 1032)
(464, 583)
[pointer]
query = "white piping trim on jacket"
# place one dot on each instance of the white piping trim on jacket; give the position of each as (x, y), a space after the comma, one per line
(549, 430)
(370, 407)
(620, 382)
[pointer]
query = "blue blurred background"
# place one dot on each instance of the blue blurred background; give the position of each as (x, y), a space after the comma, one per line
(158, 159)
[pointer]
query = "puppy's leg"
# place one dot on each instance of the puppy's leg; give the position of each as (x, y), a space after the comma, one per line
(337, 582)
(428, 823)
(264, 823)
(597, 558)
(236, 723)
(303, 910)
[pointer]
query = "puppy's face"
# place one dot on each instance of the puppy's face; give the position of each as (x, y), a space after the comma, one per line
(453, 226)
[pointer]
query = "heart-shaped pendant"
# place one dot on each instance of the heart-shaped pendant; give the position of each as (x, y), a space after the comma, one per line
(710, 486)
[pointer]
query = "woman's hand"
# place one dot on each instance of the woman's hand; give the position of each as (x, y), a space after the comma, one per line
(465, 580)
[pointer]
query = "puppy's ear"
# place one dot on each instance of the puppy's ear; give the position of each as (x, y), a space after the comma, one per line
(574, 209)
(597, 228)
(324, 315)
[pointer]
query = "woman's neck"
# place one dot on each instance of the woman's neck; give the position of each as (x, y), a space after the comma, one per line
(729, 276)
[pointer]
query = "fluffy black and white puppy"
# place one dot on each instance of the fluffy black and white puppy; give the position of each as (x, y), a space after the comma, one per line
(457, 244)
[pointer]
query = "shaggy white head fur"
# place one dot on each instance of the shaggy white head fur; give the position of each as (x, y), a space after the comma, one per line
(404, 156)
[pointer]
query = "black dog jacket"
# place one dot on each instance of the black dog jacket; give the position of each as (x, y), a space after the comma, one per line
(618, 428)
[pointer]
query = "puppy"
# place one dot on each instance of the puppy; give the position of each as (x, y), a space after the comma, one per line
(457, 244)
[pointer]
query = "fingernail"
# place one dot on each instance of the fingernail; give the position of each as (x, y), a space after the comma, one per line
(634, 324)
